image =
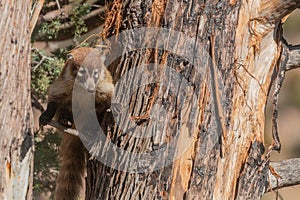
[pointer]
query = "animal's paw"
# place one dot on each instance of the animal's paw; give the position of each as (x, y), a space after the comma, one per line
(65, 123)
(44, 119)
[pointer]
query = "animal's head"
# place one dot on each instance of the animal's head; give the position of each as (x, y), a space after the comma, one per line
(87, 67)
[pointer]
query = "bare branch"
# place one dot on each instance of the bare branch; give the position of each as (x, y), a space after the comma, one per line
(288, 170)
(62, 13)
(58, 5)
(294, 57)
(35, 14)
(92, 20)
(274, 10)
(58, 126)
(36, 104)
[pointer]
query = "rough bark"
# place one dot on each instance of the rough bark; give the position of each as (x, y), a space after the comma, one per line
(219, 137)
(287, 173)
(294, 58)
(16, 137)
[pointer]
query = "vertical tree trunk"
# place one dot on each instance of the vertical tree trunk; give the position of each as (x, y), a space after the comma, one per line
(201, 106)
(16, 137)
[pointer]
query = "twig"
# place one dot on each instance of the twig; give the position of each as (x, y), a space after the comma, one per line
(86, 39)
(290, 59)
(35, 14)
(36, 104)
(60, 127)
(58, 5)
(39, 64)
(276, 145)
(42, 59)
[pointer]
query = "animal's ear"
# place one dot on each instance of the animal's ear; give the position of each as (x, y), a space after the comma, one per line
(70, 57)
(70, 61)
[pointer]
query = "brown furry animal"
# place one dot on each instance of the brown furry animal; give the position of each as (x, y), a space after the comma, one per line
(85, 73)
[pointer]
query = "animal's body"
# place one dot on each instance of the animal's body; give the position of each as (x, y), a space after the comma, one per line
(85, 74)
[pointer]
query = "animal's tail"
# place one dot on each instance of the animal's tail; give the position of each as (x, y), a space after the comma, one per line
(70, 184)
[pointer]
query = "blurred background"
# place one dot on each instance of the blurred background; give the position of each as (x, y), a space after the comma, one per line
(64, 24)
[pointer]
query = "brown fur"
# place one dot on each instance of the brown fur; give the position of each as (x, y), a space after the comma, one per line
(70, 183)
(71, 179)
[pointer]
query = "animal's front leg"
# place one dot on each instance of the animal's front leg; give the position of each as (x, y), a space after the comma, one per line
(46, 116)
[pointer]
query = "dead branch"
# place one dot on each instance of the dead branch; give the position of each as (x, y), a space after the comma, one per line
(36, 104)
(92, 21)
(272, 11)
(294, 57)
(62, 13)
(290, 59)
(35, 14)
(64, 129)
(54, 5)
(288, 170)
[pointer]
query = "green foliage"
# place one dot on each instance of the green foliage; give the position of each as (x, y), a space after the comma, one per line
(46, 163)
(50, 29)
(43, 71)
(77, 19)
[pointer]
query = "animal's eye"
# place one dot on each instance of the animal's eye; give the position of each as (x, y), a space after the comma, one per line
(81, 71)
(96, 75)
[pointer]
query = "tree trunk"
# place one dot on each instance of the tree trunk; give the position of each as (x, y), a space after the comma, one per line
(16, 137)
(190, 98)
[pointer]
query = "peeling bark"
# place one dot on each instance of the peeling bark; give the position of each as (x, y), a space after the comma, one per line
(228, 53)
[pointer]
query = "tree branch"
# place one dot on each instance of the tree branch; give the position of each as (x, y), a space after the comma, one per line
(92, 20)
(60, 127)
(35, 14)
(36, 104)
(294, 57)
(288, 170)
(274, 10)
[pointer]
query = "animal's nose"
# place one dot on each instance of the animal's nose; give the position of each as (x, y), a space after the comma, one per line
(91, 87)
(91, 90)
